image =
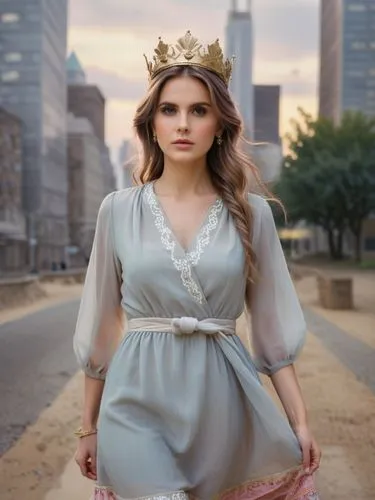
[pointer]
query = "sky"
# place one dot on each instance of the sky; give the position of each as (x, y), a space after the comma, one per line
(111, 36)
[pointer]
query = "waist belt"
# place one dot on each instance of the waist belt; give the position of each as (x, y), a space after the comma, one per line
(184, 325)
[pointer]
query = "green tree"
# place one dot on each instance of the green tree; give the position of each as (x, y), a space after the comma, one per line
(328, 178)
(355, 159)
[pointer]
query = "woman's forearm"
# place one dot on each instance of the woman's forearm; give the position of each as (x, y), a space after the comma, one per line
(93, 395)
(287, 387)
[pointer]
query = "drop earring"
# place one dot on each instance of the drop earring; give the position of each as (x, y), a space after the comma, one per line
(219, 140)
(154, 138)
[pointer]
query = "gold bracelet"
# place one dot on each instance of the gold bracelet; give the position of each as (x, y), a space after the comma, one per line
(81, 433)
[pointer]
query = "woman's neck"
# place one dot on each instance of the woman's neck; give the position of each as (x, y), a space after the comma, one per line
(182, 180)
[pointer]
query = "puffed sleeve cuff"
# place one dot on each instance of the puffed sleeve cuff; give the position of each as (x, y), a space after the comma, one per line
(86, 364)
(98, 373)
(270, 369)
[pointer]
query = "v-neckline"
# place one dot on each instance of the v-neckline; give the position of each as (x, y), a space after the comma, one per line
(213, 209)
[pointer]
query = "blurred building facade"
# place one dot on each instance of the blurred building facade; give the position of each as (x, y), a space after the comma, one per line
(109, 176)
(91, 173)
(258, 104)
(239, 43)
(86, 180)
(33, 87)
(13, 238)
(87, 101)
(267, 113)
(347, 57)
(126, 161)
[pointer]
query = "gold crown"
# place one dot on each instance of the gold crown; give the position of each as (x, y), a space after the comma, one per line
(189, 52)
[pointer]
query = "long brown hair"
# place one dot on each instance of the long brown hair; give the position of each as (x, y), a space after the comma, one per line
(229, 167)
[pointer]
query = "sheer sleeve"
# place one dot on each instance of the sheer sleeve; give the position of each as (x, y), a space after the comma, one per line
(278, 327)
(100, 319)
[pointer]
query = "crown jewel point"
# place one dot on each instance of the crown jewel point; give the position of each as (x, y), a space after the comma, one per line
(188, 51)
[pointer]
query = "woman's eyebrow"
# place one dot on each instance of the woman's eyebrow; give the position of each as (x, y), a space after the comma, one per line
(203, 103)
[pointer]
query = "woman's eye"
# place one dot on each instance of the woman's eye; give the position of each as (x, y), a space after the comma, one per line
(167, 110)
(200, 110)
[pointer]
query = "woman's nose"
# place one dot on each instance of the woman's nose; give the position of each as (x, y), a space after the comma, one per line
(183, 125)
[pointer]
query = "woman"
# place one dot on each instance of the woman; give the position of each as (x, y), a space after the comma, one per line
(183, 413)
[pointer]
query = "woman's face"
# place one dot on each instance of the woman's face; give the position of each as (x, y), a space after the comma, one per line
(185, 121)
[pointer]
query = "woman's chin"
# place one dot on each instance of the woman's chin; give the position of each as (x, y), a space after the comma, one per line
(184, 157)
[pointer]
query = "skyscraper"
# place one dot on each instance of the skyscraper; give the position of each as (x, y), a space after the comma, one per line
(267, 113)
(347, 57)
(239, 43)
(91, 175)
(33, 87)
(87, 101)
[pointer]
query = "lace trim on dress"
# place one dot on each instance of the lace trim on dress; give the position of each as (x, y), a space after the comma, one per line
(289, 485)
(102, 493)
(192, 257)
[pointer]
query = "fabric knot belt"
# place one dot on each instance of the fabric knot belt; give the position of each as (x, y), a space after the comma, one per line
(184, 325)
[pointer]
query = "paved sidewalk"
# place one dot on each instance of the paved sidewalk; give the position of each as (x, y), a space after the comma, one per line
(357, 356)
(348, 334)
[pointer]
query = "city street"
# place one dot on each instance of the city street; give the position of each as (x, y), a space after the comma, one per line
(36, 361)
(40, 386)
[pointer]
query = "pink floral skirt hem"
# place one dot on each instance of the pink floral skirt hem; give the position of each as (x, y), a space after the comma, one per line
(291, 485)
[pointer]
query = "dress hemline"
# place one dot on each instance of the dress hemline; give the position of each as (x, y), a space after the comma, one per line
(294, 484)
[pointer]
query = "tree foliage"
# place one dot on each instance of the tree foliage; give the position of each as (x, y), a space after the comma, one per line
(328, 177)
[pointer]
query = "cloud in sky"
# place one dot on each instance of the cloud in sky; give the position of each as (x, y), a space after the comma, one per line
(116, 86)
(110, 37)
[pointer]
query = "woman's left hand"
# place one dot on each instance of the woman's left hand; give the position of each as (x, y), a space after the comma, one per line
(310, 450)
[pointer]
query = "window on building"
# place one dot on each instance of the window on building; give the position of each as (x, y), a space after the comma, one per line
(13, 57)
(372, 45)
(357, 7)
(371, 72)
(36, 57)
(33, 18)
(356, 73)
(10, 76)
(358, 45)
(13, 99)
(10, 17)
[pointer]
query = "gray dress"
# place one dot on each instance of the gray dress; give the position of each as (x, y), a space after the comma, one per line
(183, 413)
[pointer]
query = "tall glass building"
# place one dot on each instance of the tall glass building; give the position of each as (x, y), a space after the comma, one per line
(347, 53)
(239, 43)
(33, 39)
